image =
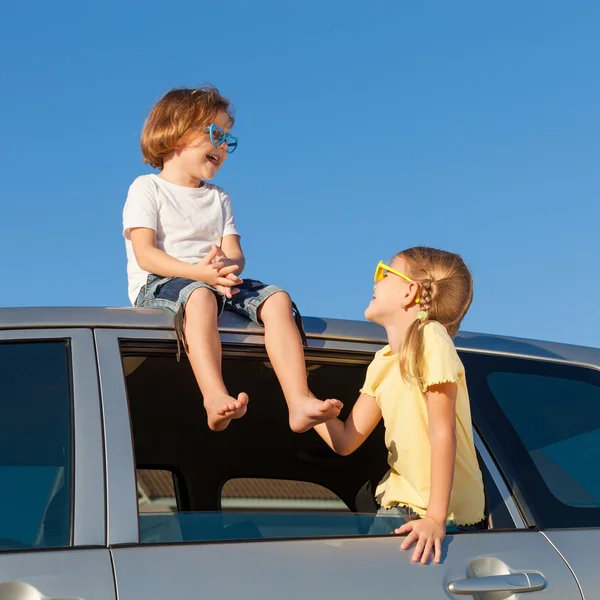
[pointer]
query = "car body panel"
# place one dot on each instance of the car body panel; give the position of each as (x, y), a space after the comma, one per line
(334, 568)
(67, 574)
(579, 547)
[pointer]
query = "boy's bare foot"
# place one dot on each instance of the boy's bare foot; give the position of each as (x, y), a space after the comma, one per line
(221, 408)
(307, 412)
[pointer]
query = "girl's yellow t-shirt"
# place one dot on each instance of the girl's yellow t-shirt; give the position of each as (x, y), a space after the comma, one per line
(403, 405)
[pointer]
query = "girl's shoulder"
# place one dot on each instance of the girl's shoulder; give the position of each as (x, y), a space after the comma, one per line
(434, 333)
(439, 361)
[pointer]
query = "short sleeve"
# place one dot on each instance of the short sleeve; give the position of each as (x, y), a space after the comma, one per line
(141, 207)
(440, 362)
(371, 380)
(229, 227)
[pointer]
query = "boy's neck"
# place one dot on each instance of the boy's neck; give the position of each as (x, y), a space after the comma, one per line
(172, 174)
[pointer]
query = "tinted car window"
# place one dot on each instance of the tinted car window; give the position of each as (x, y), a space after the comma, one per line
(257, 479)
(544, 420)
(562, 435)
(35, 445)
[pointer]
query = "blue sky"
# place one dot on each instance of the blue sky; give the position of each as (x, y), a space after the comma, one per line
(364, 128)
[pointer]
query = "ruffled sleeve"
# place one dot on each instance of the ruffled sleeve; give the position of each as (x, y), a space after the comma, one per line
(375, 374)
(440, 362)
(369, 386)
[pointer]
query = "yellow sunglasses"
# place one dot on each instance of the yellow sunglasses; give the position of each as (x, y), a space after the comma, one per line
(382, 269)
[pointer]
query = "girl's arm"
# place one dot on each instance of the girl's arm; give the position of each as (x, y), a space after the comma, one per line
(429, 531)
(441, 411)
(344, 437)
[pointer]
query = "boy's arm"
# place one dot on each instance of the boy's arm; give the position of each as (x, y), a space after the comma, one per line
(234, 255)
(344, 437)
(153, 260)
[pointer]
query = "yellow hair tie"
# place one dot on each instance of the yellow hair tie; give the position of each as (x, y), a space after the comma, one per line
(422, 315)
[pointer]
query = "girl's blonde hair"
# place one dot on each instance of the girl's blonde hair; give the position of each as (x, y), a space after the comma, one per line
(174, 115)
(445, 292)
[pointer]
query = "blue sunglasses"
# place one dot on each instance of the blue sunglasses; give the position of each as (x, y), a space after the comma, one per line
(218, 136)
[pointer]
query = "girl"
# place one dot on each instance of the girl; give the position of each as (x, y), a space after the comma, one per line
(417, 384)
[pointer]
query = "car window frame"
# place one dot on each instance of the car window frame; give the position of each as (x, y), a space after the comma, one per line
(487, 412)
(88, 493)
(123, 526)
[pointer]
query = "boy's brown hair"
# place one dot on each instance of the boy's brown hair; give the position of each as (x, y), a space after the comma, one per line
(172, 117)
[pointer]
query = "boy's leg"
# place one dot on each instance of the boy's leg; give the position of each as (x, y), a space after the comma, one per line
(204, 353)
(284, 347)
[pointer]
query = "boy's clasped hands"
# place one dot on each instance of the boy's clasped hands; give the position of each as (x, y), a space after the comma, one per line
(219, 272)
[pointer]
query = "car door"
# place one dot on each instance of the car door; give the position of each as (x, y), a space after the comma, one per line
(185, 554)
(542, 418)
(52, 505)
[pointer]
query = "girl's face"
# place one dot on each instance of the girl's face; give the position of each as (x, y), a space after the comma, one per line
(392, 296)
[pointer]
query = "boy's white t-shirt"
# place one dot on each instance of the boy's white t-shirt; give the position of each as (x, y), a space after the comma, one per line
(187, 221)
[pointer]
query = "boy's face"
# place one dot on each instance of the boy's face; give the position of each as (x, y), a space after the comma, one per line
(199, 158)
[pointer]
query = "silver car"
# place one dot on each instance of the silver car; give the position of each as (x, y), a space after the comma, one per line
(112, 486)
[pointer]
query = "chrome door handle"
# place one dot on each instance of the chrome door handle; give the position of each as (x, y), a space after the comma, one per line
(15, 590)
(513, 582)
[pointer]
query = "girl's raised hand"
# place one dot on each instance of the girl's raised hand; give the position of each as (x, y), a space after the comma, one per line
(428, 535)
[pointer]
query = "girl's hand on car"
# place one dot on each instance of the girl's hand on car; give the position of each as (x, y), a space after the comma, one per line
(428, 535)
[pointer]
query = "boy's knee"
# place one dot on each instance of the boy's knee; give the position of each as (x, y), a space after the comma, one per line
(276, 305)
(201, 299)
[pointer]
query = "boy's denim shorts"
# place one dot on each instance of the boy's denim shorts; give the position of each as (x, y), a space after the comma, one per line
(172, 293)
(387, 520)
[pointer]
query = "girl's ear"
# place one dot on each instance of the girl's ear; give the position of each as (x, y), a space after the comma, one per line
(413, 293)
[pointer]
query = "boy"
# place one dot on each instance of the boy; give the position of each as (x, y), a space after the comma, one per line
(184, 255)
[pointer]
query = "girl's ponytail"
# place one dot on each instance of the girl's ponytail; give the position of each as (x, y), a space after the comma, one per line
(445, 292)
(412, 346)
(410, 353)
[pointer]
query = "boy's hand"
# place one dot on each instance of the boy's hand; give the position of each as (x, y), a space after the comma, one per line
(428, 533)
(224, 280)
(220, 261)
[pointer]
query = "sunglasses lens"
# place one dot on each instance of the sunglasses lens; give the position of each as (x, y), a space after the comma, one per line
(216, 136)
(231, 145)
(379, 273)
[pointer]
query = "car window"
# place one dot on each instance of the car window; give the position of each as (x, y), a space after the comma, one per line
(252, 493)
(35, 445)
(546, 418)
(257, 479)
(156, 490)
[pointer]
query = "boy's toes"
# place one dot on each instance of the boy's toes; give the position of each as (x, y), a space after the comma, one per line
(220, 411)
(331, 406)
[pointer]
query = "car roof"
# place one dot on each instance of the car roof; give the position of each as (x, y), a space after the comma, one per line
(316, 328)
